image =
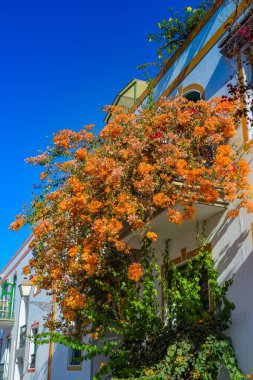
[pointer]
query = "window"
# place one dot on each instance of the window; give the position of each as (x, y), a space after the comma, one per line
(193, 91)
(22, 336)
(6, 301)
(74, 359)
(194, 96)
(32, 350)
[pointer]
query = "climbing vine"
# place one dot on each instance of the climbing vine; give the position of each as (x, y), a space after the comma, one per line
(189, 343)
(174, 30)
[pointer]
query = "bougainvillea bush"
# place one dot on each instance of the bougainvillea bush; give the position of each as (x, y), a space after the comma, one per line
(165, 158)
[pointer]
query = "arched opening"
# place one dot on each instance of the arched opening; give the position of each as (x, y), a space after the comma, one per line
(194, 96)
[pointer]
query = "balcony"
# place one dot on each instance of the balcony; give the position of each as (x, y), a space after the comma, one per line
(235, 40)
(168, 230)
(6, 313)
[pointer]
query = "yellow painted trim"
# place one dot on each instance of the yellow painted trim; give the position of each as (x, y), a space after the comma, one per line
(180, 90)
(74, 368)
(180, 50)
(193, 87)
(199, 56)
(206, 48)
(242, 100)
(51, 345)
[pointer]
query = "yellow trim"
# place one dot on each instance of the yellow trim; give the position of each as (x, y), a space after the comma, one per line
(242, 100)
(51, 345)
(74, 367)
(199, 56)
(180, 50)
(245, 132)
(206, 48)
(185, 256)
(193, 87)
(180, 90)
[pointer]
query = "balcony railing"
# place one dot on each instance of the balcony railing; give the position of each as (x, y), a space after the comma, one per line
(6, 310)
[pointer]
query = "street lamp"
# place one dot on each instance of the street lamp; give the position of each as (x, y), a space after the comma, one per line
(25, 290)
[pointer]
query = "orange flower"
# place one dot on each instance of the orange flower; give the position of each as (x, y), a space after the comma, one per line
(151, 235)
(135, 271)
(175, 216)
(94, 206)
(15, 226)
(144, 168)
(161, 200)
(233, 213)
(120, 245)
(54, 195)
(199, 131)
(94, 336)
(244, 167)
(73, 251)
(43, 175)
(26, 270)
(62, 139)
(91, 262)
(81, 154)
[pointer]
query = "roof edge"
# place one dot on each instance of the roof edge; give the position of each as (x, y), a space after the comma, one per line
(180, 50)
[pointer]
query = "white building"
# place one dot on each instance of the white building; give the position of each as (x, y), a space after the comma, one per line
(20, 319)
(201, 68)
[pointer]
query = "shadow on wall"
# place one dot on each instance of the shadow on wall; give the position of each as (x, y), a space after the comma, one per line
(231, 256)
(229, 240)
(234, 258)
(40, 373)
(220, 77)
(196, 44)
(241, 331)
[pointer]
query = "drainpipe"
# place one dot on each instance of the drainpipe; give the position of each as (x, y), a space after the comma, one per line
(51, 344)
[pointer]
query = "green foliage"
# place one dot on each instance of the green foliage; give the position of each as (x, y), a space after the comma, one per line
(189, 344)
(174, 30)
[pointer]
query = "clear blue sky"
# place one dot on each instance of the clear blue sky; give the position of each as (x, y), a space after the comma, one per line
(61, 61)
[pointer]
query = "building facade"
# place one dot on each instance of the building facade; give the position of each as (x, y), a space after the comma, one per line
(200, 69)
(23, 317)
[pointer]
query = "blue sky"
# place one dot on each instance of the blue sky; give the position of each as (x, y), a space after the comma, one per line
(61, 61)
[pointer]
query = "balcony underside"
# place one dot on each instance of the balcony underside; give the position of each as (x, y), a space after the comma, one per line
(4, 323)
(167, 230)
